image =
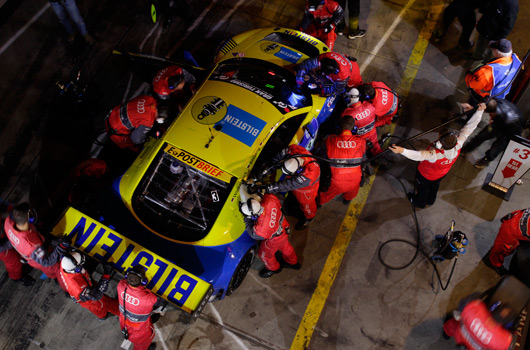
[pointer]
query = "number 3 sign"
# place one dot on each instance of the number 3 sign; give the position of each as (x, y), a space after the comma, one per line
(514, 163)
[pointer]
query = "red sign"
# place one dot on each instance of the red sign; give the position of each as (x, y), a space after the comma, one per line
(511, 168)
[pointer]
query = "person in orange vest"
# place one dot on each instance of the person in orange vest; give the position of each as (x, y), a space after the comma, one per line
(494, 78)
(345, 152)
(385, 101)
(136, 309)
(82, 288)
(438, 158)
(129, 124)
(265, 222)
(320, 20)
(302, 178)
(30, 244)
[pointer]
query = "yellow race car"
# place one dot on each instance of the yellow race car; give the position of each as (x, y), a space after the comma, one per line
(176, 209)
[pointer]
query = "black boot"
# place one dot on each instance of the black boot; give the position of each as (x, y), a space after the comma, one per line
(265, 273)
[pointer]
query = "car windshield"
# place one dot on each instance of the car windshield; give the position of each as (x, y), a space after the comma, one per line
(180, 196)
(265, 79)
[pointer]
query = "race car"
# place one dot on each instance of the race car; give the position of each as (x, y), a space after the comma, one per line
(176, 209)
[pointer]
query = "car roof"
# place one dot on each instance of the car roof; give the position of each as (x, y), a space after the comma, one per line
(232, 147)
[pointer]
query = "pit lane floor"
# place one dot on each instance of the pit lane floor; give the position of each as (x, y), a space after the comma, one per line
(343, 297)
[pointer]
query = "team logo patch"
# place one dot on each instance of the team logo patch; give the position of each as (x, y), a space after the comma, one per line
(208, 110)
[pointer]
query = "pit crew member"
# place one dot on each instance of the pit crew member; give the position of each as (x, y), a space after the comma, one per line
(320, 20)
(265, 222)
(84, 290)
(331, 71)
(385, 101)
(302, 178)
(136, 309)
(344, 151)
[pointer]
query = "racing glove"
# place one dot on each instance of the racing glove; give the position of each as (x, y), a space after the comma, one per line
(328, 28)
(328, 89)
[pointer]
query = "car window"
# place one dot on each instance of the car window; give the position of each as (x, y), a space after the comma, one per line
(294, 42)
(280, 139)
(267, 80)
(180, 197)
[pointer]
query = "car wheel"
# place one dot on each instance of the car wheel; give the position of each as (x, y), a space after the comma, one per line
(241, 271)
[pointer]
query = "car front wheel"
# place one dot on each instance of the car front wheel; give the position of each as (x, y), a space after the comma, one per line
(241, 271)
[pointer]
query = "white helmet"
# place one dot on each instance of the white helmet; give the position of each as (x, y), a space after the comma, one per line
(73, 263)
(292, 165)
(351, 96)
(251, 208)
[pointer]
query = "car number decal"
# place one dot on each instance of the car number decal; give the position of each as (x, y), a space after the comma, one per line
(197, 163)
(240, 125)
(169, 281)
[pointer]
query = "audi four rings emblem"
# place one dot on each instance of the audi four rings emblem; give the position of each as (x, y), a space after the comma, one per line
(346, 144)
(130, 299)
(274, 213)
(140, 106)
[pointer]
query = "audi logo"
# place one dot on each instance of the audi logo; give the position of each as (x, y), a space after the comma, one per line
(130, 299)
(447, 162)
(14, 238)
(339, 59)
(480, 331)
(159, 75)
(364, 114)
(140, 106)
(272, 221)
(346, 144)
(384, 97)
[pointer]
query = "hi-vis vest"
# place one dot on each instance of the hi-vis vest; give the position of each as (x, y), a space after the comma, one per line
(503, 76)
(24, 242)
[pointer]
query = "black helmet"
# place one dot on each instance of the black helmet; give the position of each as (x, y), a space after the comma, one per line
(329, 66)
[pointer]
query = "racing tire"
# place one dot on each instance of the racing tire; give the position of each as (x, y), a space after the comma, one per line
(241, 271)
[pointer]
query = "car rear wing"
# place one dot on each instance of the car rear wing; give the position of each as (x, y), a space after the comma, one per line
(102, 243)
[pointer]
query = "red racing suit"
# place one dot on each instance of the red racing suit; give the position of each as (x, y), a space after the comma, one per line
(515, 228)
(385, 102)
(326, 16)
(345, 179)
(160, 81)
(348, 76)
(304, 185)
(270, 228)
(436, 170)
(29, 244)
(127, 124)
(477, 329)
(10, 257)
(364, 115)
(137, 303)
(83, 291)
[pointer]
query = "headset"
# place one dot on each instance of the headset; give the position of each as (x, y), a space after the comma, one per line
(448, 133)
(298, 170)
(78, 266)
(248, 204)
(143, 279)
(31, 213)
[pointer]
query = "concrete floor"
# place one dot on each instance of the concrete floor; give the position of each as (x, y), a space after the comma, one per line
(368, 305)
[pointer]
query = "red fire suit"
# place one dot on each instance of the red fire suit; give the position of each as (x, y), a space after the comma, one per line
(270, 228)
(348, 76)
(10, 257)
(385, 102)
(322, 22)
(127, 124)
(29, 244)
(136, 303)
(86, 293)
(160, 81)
(477, 329)
(345, 179)
(364, 115)
(515, 228)
(304, 185)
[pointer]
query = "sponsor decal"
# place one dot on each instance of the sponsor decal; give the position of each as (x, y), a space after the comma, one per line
(288, 55)
(130, 299)
(140, 106)
(240, 125)
(208, 110)
(346, 144)
(106, 245)
(197, 163)
(270, 47)
(274, 214)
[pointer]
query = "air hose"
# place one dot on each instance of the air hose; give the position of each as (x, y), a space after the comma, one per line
(416, 245)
